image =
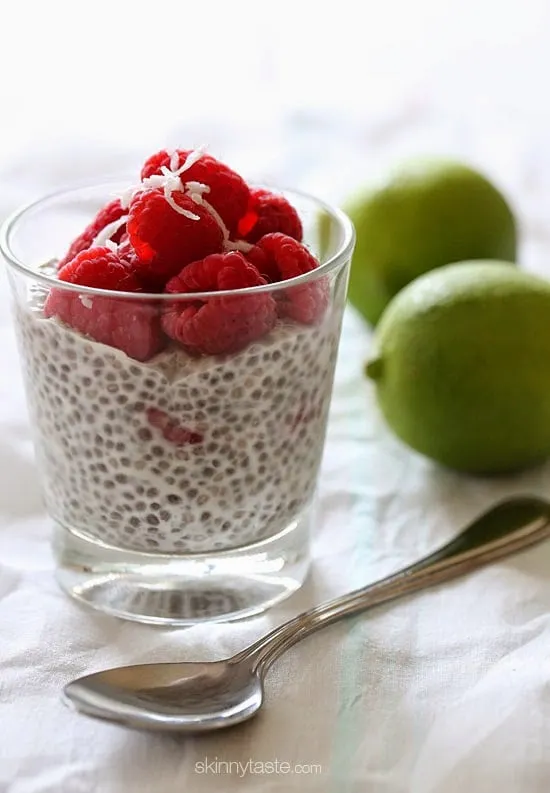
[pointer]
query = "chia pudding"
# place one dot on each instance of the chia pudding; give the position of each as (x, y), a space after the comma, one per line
(194, 426)
(256, 423)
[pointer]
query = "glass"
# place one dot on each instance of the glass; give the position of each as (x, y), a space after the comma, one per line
(182, 487)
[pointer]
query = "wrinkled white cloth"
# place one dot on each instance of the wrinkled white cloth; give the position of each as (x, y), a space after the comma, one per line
(442, 692)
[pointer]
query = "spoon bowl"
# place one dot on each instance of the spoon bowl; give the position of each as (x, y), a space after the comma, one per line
(183, 697)
(196, 697)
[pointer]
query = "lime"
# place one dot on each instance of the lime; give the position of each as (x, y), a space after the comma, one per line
(461, 365)
(425, 214)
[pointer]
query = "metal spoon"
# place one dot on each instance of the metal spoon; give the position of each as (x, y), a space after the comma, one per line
(196, 697)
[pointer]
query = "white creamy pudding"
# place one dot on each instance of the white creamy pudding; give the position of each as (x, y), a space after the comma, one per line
(179, 454)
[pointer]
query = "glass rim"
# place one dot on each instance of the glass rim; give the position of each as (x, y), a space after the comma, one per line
(10, 224)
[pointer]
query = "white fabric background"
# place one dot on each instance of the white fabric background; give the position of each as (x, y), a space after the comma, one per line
(441, 693)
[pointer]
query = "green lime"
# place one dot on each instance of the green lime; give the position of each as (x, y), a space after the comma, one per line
(461, 365)
(425, 214)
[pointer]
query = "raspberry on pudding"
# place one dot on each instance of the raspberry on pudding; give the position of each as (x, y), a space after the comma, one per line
(228, 193)
(267, 213)
(108, 215)
(131, 327)
(186, 411)
(219, 325)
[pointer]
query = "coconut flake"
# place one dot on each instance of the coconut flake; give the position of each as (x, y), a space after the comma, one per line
(107, 232)
(152, 182)
(170, 181)
(198, 199)
(169, 187)
(237, 245)
(174, 159)
(197, 188)
(191, 159)
(126, 195)
(228, 245)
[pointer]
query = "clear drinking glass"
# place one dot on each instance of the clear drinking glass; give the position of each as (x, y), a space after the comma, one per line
(182, 488)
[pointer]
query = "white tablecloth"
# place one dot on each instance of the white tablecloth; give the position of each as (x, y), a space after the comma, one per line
(443, 692)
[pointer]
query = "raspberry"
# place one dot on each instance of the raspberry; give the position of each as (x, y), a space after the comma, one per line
(219, 325)
(128, 255)
(303, 414)
(229, 193)
(288, 258)
(131, 326)
(125, 250)
(268, 213)
(171, 430)
(263, 264)
(111, 212)
(140, 269)
(165, 240)
(156, 162)
(100, 268)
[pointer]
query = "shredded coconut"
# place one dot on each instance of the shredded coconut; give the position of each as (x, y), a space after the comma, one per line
(174, 159)
(210, 209)
(126, 196)
(191, 159)
(228, 245)
(197, 188)
(168, 189)
(106, 233)
(170, 181)
(237, 245)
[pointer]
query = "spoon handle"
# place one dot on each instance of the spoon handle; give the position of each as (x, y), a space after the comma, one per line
(510, 527)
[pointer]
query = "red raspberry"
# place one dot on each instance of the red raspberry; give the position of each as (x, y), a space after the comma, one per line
(229, 193)
(263, 264)
(155, 163)
(100, 268)
(129, 325)
(165, 240)
(111, 212)
(171, 430)
(125, 250)
(268, 213)
(305, 303)
(141, 270)
(303, 412)
(219, 325)
(128, 255)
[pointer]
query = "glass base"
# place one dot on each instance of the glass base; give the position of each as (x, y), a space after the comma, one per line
(164, 589)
